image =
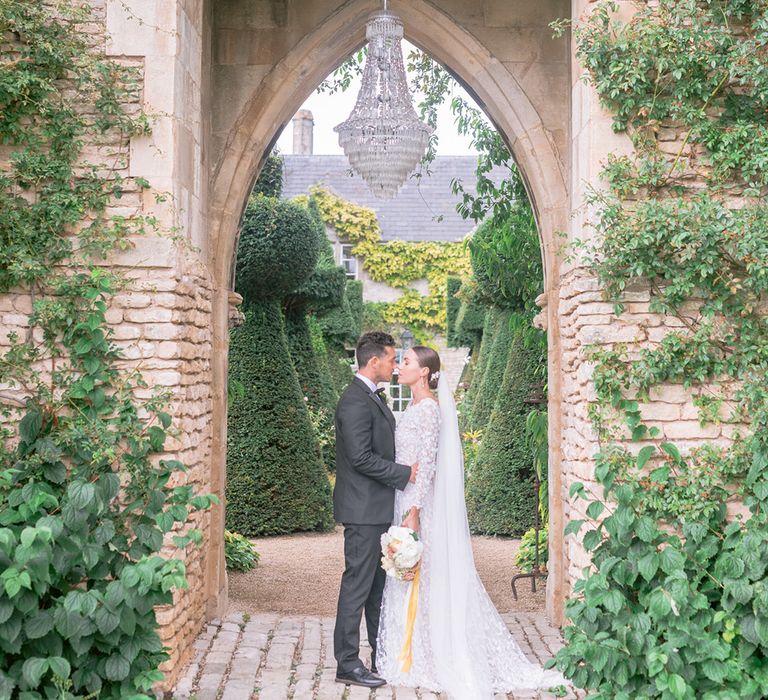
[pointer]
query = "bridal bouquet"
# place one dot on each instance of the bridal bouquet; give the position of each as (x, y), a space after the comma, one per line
(401, 551)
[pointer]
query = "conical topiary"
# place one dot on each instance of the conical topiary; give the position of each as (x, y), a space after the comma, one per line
(315, 382)
(276, 480)
(500, 493)
(483, 352)
(493, 373)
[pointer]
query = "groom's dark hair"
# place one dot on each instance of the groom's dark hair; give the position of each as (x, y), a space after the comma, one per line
(373, 344)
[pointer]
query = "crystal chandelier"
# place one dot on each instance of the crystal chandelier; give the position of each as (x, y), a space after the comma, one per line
(383, 137)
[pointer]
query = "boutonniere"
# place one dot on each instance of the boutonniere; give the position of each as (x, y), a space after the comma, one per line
(382, 395)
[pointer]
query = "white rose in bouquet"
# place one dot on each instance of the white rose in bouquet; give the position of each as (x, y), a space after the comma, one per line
(401, 551)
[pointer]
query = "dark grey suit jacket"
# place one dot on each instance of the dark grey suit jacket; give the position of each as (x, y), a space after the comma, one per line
(366, 472)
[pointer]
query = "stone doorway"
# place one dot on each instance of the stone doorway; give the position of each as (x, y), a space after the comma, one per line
(514, 84)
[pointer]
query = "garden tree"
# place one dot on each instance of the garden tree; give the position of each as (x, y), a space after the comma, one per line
(465, 316)
(276, 481)
(333, 362)
(493, 373)
(355, 298)
(500, 493)
(339, 328)
(506, 257)
(480, 361)
(87, 501)
(270, 180)
(452, 304)
(673, 604)
(322, 292)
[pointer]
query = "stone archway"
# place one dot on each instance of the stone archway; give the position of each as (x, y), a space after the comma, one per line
(530, 115)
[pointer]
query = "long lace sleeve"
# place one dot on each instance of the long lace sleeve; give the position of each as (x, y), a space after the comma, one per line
(427, 453)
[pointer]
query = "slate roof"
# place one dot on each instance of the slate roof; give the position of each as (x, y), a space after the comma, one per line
(413, 213)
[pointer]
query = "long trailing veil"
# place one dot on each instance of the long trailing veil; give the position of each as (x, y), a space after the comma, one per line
(473, 652)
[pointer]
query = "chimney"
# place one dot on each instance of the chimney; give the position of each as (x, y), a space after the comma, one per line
(303, 124)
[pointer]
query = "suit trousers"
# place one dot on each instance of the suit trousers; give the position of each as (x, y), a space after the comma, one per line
(362, 588)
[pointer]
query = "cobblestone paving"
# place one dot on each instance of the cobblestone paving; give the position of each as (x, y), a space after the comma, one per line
(278, 657)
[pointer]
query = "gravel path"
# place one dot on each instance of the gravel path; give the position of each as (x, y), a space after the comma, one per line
(299, 575)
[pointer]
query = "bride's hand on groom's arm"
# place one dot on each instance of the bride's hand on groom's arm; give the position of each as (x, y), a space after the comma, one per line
(414, 472)
(412, 519)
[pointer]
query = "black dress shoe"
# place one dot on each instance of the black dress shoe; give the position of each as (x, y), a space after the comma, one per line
(374, 670)
(360, 676)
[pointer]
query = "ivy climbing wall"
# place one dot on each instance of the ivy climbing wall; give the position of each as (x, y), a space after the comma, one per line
(397, 264)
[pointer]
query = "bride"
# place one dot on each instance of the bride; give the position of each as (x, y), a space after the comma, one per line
(459, 643)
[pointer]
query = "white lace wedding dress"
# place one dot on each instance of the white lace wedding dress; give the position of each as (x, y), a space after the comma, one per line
(460, 646)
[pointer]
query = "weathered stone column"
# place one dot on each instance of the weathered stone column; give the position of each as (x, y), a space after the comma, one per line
(165, 323)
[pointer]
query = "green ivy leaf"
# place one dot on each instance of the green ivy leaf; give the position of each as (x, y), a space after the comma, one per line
(81, 493)
(676, 685)
(644, 455)
(59, 666)
(672, 451)
(670, 560)
(30, 426)
(595, 509)
(592, 539)
(117, 668)
(39, 625)
(648, 565)
(32, 671)
(573, 527)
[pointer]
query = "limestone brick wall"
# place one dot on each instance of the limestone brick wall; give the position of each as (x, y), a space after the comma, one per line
(162, 320)
(586, 319)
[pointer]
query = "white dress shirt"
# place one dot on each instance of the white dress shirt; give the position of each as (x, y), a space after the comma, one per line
(367, 382)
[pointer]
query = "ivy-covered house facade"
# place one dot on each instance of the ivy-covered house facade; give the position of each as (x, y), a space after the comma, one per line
(418, 234)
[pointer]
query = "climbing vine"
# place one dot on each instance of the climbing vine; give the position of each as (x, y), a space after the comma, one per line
(397, 263)
(675, 602)
(87, 500)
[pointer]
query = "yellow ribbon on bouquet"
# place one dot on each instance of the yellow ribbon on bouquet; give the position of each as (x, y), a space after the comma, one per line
(406, 652)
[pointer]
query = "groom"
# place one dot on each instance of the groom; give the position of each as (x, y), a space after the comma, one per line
(363, 500)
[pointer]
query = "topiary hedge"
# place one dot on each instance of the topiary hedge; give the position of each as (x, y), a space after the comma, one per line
(493, 372)
(278, 248)
(315, 381)
(270, 180)
(276, 480)
(355, 298)
(481, 361)
(500, 494)
(334, 362)
(338, 325)
(452, 305)
(470, 321)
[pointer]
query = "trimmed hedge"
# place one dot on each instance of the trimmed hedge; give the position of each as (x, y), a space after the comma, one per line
(355, 298)
(314, 379)
(470, 321)
(278, 250)
(276, 480)
(500, 495)
(338, 325)
(481, 361)
(452, 305)
(332, 361)
(493, 372)
(270, 180)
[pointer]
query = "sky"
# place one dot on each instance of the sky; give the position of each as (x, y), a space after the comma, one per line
(329, 110)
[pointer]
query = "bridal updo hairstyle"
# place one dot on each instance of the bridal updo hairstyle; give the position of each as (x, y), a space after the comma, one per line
(428, 358)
